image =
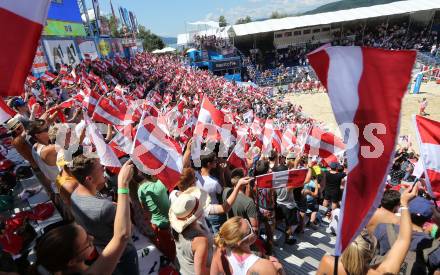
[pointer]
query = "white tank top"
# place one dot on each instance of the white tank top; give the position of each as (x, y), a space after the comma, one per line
(241, 267)
(50, 172)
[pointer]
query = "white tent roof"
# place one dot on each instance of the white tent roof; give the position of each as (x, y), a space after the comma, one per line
(399, 7)
(212, 24)
(164, 50)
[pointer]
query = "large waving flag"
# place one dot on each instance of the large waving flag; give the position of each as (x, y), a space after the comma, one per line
(428, 136)
(365, 87)
(21, 25)
(271, 137)
(209, 118)
(289, 178)
(155, 153)
(323, 144)
(103, 150)
(107, 112)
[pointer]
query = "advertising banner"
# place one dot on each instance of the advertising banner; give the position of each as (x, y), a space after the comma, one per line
(225, 64)
(61, 28)
(117, 48)
(39, 66)
(61, 52)
(87, 46)
(104, 47)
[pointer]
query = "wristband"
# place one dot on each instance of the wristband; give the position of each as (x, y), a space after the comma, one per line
(122, 190)
(403, 208)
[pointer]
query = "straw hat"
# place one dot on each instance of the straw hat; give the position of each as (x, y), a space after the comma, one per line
(187, 208)
(13, 124)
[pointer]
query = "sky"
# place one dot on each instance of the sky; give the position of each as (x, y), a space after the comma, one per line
(170, 17)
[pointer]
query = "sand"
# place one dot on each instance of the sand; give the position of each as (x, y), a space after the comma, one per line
(318, 106)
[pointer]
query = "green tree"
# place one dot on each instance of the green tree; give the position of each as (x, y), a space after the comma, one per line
(245, 20)
(277, 14)
(115, 28)
(150, 41)
(222, 21)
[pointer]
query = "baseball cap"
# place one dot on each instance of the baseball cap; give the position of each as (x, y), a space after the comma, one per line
(421, 207)
(18, 102)
(333, 165)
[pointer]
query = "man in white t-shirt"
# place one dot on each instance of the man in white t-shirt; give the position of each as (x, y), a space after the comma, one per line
(210, 184)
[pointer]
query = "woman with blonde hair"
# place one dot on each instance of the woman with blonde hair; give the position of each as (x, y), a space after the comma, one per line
(233, 254)
(357, 256)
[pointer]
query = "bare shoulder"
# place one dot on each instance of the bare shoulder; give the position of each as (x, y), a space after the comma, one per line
(199, 242)
(262, 266)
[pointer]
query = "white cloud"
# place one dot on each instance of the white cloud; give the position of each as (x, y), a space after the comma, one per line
(258, 9)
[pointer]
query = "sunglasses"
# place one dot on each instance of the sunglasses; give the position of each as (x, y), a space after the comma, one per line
(250, 234)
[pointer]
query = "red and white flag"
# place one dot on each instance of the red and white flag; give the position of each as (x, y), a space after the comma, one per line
(428, 136)
(106, 155)
(289, 139)
(6, 113)
(48, 76)
(21, 25)
(324, 144)
(211, 123)
(107, 112)
(271, 138)
(237, 158)
(155, 153)
(365, 87)
(90, 99)
(289, 178)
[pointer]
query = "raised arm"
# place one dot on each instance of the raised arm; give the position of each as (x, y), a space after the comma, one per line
(187, 154)
(226, 206)
(107, 261)
(396, 255)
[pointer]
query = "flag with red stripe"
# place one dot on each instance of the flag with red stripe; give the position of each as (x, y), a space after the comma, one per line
(106, 155)
(107, 112)
(428, 136)
(323, 144)
(155, 153)
(237, 158)
(365, 87)
(21, 26)
(289, 178)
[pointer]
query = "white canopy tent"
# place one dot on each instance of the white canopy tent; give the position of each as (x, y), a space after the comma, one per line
(399, 7)
(164, 50)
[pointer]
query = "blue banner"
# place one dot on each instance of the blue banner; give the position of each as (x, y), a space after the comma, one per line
(64, 10)
(419, 79)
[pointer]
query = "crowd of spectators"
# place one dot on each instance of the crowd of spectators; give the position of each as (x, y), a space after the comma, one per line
(215, 220)
(395, 36)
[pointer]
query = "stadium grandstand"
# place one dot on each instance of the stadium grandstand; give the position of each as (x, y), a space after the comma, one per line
(273, 51)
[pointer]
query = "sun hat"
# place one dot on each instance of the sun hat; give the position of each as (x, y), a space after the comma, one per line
(13, 124)
(187, 208)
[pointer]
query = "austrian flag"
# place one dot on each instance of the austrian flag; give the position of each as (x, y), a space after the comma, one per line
(289, 178)
(365, 87)
(428, 136)
(21, 25)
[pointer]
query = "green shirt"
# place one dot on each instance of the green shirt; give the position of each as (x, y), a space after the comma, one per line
(154, 197)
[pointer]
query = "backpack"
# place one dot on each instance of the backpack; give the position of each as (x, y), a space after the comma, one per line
(415, 262)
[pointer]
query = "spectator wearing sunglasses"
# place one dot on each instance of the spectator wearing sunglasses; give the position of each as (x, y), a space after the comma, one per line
(95, 213)
(65, 249)
(44, 153)
(233, 254)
